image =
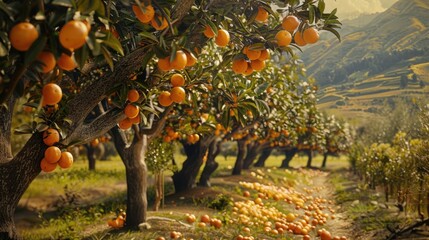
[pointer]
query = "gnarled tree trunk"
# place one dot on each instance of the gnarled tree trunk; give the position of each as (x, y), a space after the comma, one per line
(252, 152)
(310, 157)
(289, 154)
(265, 154)
(242, 151)
(90, 155)
(211, 164)
(325, 159)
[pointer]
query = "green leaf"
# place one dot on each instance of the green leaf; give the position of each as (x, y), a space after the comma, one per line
(311, 14)
(149, 35)
(333, 31)
(23, 129)
(81, 56)
(5, 8)
(35, 49)
(63, 3)
(42, 127)
(321, 6)
(107, 57)
(261, 88)
(87, 6)
(114, 43)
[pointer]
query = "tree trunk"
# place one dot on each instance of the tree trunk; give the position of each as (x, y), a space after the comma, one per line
(15, 177)
(263, 157)
(133, 157)
(211, 164)
(185, 178)
(242, 151)
(159, 192)
(90, 154)
(310, 157)
(289, 154)
(252, 153)
(325, 158)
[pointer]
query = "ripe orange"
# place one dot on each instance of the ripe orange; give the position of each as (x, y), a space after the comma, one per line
(249, 70)
(94, 142)
(133, 95)
(190, 59)
(135, 120)
(131, 111)
(290, 23)
(125, 124)
(208, 32)
(222, 38)
(146, 15)
(51, 136)
(178, 94)
(52, 94)
(257, 65)
(311, 35)
(48, 61)
(239, 66)
(164, 99)
(177, 80)
(180, 60)
(262, 15)
(73, 34)
(196, 137)
(23, 35)
(253, 54)
(205, 218)
(283, 38)
(156, 25)
(299, 40)
(264, 55)
(66, 62)
(52, 154)
(46, 166)
(66, 160)
(164, 64)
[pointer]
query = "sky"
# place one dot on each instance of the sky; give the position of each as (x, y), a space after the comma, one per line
(349, 9)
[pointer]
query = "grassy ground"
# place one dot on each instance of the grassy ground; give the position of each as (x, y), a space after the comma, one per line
(77, 203)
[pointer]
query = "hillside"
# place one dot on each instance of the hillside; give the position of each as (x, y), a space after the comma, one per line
(386, 57)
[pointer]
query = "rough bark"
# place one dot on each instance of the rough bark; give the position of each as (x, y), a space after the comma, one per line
(15, 177)
(90, 154)
(252, 152)
(242, 151)
(265, 154)
(211, 164)
(185, 178)
(5, 130)
(310, 157)
(325, 159)
(289, 154)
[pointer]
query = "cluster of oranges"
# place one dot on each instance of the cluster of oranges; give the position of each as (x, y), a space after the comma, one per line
(290, 25)
(53, 155)
(117, 222)
(177, 94)
(146, 14)
(170, 134)
(254, 61)
(132, 111)
(221, 38)
(72, 36)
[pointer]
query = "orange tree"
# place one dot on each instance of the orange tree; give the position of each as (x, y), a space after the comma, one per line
(42, 43)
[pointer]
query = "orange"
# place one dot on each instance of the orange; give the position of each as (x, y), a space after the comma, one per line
(265, 54)
(146, 15)
(164, 99)
(262, 15)
(299, 39)
(133, 95)
(135, 120)
(253, 54)
(94, 142)
(48, 61)
(239, 66)
(177, 80)
(73, 35)
(47, 167)
(125, 124)
(311, 35)
(249, 70)
(27, 109)
(164, 64)
(290, 23)
(52, 154)
(190, 59)
(283, 38)
(131, 111)
(257, 65)
(52, 94)
(66, 62)
(179, 61)
(51, 136)
(205, 218)
(178, 94)
(222, 38)
(196, 138)
(66, 160)
(155, 24)
(208, 32)
(23, 35)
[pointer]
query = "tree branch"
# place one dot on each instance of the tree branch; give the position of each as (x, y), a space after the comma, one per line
(10, 87)
(157, 126)
(181, 8)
